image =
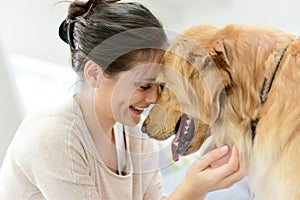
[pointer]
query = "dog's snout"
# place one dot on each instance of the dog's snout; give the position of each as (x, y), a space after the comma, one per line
(144, 128)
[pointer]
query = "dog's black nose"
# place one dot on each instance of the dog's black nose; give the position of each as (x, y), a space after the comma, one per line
(144, 128)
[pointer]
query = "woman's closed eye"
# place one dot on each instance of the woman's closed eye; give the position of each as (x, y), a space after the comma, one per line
(145, 87)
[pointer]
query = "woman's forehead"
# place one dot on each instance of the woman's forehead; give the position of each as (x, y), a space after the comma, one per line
(144, 71)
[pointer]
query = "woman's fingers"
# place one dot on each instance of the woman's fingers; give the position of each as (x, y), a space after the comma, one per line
(236, 176)
(213, 156)
(231, 166)
(218, 169)
(233, 170)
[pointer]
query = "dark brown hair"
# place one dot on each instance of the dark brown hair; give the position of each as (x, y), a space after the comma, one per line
(114, 35)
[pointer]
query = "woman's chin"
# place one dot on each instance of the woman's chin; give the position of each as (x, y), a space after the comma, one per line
(132, 120)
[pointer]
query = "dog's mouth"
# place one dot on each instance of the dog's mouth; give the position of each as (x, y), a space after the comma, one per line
(185, 129)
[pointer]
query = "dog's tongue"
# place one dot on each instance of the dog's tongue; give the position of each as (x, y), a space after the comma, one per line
(175, 141)
(183, 138)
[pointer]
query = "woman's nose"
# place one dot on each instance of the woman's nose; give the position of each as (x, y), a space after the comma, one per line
(152, 95)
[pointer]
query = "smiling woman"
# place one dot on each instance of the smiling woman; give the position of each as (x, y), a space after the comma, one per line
(94, 141)
(91, 147)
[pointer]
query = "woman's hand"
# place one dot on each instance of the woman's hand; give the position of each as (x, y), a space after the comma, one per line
(218, 169)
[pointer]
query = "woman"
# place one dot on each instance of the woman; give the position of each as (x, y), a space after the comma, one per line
(92, 147)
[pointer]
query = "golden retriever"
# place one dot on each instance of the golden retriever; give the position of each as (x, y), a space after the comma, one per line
(240, 85)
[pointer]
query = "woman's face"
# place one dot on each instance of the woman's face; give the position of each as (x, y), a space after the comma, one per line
(124, 97)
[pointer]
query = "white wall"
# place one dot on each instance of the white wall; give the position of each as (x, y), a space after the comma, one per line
(9, 113)
(181, 14)
(30, 27)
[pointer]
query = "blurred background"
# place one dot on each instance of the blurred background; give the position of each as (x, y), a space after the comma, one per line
(35, 65)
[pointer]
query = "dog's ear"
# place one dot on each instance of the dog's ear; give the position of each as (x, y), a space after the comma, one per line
(219, 55)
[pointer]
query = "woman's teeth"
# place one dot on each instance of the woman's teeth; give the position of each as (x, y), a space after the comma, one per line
(138, 108)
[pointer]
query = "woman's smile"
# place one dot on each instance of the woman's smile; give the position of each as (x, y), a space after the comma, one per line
(137, 110)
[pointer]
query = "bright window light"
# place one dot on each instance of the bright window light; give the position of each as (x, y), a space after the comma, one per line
(41, 84)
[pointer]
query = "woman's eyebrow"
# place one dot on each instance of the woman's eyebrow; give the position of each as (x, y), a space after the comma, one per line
(147, 80)
(152, 79)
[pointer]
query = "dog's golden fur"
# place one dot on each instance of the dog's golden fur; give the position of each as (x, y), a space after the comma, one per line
(206, 62)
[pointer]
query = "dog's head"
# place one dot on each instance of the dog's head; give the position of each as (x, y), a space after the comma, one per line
(192, 93)
(211, 80)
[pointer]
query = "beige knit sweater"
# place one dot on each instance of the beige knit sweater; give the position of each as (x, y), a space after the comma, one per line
(52, 156)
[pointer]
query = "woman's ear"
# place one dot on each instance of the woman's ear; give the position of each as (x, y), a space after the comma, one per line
(92, 73)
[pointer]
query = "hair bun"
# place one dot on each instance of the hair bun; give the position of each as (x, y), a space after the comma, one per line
(112, 1)
(79, 8)
(76, 9)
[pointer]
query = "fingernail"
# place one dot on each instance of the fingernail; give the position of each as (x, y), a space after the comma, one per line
(224, 149)
(202, 156)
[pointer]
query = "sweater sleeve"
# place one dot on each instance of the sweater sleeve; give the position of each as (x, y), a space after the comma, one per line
(53, 158)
